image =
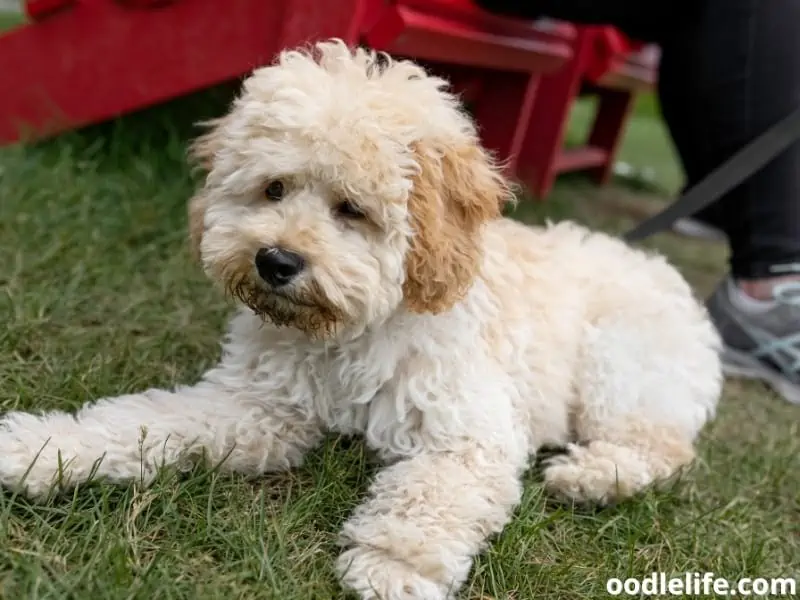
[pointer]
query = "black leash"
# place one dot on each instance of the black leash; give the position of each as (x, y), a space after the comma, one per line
(737, 169)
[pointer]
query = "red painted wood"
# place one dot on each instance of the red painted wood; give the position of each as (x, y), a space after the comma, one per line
(408, 32)
(39, 9)
(503, 112)
(579, 158)
(146, 3)
(611, 48)
(608, 129)
(465, 11)
(637, 72)
(603, 56)
(544, 138)
(305, 21)
(494, 61)
(92, 60)
(616, 92)
(99, 59)
(468, 83)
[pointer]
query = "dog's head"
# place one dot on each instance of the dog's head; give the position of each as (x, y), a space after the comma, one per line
(341, 186)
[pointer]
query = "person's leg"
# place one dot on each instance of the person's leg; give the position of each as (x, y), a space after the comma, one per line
(733, 72)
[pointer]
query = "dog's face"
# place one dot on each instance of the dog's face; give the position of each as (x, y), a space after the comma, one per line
(340, 187)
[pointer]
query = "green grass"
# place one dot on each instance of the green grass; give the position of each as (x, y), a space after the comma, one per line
(10, 20)
(99, 297)
(646, 146)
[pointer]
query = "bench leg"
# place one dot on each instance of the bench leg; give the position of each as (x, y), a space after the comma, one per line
(609, 128)
(543, 142)
(502, 110)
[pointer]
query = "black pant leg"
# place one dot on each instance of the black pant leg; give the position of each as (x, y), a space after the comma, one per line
(730, 74)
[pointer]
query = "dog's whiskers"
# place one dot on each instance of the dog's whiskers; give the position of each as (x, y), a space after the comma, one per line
(311, 314)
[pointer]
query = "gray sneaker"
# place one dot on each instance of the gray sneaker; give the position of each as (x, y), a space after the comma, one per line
(761, 345)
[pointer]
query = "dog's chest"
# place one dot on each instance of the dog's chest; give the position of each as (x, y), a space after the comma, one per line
(348, 385)
(371, 398)
(367, 386)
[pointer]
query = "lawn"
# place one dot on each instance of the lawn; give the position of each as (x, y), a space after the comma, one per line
(99, 297)
(9, 20)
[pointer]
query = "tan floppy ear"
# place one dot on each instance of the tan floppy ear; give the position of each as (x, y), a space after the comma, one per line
(454, 195)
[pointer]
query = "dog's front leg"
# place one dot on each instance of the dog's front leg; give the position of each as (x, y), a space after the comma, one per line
(427, 517)
(223, 419)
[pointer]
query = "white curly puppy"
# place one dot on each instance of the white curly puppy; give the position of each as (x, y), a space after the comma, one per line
(350, 208)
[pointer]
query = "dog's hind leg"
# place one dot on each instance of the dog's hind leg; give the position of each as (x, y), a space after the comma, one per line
(645, 390)
(615, 466)
(222, 420)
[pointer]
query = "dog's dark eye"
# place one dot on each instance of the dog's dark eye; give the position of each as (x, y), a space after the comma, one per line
(349, 211)
(274, 190)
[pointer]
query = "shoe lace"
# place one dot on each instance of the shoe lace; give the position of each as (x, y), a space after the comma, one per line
(783, 351)
(787, 293)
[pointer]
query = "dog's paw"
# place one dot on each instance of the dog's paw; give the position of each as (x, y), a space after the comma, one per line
(28, 463)
(374, 575)
(565, 479)
(596, 474)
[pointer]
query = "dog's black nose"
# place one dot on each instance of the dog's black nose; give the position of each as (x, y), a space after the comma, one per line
(278, 266)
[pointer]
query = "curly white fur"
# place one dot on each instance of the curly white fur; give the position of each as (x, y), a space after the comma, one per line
(457, 342)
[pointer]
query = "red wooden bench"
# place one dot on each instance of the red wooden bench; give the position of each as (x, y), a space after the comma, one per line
(84, 61)
(602, 65)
